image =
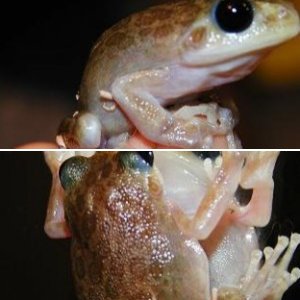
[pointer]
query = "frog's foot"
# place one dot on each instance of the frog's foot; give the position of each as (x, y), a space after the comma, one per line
(82, 131)
(270, 279)
(211, 112)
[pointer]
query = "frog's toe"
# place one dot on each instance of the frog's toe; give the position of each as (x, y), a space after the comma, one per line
(271, 279)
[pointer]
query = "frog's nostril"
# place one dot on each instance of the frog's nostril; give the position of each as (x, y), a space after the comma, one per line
(282, 12)
(243, 196)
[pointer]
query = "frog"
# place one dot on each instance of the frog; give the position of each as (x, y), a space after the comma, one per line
(165, 57)
(228, 251)
(124, 246)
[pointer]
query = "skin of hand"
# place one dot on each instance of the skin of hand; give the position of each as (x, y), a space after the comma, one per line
(38, 145)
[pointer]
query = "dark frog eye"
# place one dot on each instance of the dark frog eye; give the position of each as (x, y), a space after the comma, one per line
(140, 160)
(234, 16)
(207, 154)
(72, 170)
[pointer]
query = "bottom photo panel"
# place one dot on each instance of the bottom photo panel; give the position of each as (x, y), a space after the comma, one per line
(150, 225)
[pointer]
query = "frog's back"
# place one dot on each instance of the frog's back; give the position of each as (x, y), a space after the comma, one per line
(140, 41)
(124, 247)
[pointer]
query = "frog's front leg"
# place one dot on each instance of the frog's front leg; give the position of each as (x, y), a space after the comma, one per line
(256, 177)
(216, 200)
(143, 94)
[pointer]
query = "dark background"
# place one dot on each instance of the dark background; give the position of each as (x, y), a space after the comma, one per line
(35, 267)
(44, 47)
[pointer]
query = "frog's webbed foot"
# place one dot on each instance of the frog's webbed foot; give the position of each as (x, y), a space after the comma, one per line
(270, 279)
(141, 96)
(82, 130)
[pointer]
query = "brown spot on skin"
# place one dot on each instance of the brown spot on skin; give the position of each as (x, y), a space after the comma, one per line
(80, 202)
(95, 295)
(95, 270)
(75, 232)
(160, 13)
(185, 22)
(88, 225)
(111, 290)
(115, 39)
(107, 170)
(271, 20)
(79, 267)
(145, 19)
(155, 187)
(162, 31)
(73, 217)
(201, 116)
(145, 31)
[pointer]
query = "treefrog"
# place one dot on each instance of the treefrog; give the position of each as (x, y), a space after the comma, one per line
(137, 234)
(163, 58)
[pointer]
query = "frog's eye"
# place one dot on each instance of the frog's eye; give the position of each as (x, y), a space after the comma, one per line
(233, 16)
(140, 160)
(72, 170)
(207, 154)
(147, 156)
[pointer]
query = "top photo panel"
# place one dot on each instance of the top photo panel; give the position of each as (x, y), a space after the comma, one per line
(184, 74)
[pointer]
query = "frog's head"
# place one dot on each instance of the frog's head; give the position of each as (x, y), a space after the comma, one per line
(230, 29)
(82, 130)
(103, 165)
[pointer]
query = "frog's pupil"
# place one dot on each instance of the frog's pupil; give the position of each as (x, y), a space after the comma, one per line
(207, 154)
(234, 16)
(147, 156)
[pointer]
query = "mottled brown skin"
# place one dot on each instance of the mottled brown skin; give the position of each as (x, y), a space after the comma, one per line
(125, 244)
(139, 42)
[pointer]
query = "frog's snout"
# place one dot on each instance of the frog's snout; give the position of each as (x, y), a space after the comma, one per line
(287, 11)
(283, 16)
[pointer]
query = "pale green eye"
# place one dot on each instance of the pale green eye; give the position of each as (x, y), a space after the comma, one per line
(72, 171)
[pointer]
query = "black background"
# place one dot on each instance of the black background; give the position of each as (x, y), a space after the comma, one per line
(35, 267)
(45, 45)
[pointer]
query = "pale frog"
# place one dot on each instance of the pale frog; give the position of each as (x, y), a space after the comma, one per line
(164, 57)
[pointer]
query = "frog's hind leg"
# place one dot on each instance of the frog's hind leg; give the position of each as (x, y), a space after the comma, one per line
(141, 96)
